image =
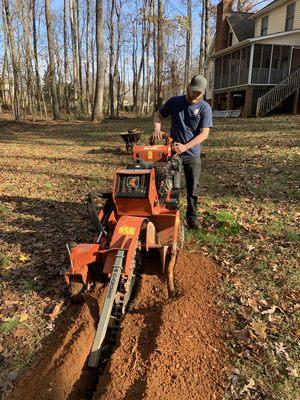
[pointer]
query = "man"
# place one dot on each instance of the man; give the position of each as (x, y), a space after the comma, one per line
(191, 119)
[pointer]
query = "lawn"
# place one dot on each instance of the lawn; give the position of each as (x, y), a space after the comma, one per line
(249, 227)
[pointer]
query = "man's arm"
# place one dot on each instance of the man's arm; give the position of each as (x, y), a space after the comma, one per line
(203, 135)
(157, 120)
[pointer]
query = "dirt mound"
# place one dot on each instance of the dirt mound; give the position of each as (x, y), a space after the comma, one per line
(60, 370)
(170, 349)
(167, 348)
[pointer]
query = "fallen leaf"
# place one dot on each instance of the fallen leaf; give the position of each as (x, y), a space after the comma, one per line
(280, 349)
(250, 385)
(24, 257)
(292, 372)
(250, 247)
(297, 332)
(253, 304)
(263, 302)
(259, 328)
(20, 332)
(23, 317)
(4, 263)
(270, 310)
(55, 311)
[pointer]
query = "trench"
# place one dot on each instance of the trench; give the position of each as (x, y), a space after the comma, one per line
(166, 348)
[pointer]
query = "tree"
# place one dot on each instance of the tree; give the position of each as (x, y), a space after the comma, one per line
(160, 54)
(87, 49)
(14, 60)
(98, 101)
(38, 91)
(188, 43)
(207, 30)
(66, 59)
(111, 59)
(52, 77)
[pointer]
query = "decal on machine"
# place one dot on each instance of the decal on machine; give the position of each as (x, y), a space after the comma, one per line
(150, 155)
(127, 230)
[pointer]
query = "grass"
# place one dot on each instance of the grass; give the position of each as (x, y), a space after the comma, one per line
(4, 209)
(9, 325)
(249, 227)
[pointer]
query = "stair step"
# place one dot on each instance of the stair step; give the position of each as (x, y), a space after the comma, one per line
(277, 94)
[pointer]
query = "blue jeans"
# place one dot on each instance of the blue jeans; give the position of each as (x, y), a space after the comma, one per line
(192, 169)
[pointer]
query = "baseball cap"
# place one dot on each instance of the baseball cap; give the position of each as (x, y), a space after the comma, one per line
(198, 83)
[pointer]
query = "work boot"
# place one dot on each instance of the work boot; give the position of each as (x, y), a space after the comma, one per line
(194, 224)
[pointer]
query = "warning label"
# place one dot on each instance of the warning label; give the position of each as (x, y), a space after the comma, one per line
(126, 230)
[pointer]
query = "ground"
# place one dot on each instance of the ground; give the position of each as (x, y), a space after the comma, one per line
(249, 218)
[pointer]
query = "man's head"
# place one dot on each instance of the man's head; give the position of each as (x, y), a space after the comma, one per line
(196, 89)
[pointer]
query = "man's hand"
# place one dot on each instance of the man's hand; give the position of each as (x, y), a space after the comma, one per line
(180, 148)
(157, 135)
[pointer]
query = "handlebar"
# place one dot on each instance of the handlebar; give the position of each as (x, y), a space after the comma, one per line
(165, 135)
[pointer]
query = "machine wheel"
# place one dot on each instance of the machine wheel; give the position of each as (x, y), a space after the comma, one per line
(77, 289)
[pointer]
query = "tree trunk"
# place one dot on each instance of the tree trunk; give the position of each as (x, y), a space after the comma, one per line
(134, 64)
(52, 77)
(201, 57)
(15, 62)
(188, 44)
(160, 54)
(207, 31)
(98, 102)
(87, 49)
(39, 92)
(111, 59)
(26, 21)
(149, 33)
(66, 60)
(73, 19)
(79, 47)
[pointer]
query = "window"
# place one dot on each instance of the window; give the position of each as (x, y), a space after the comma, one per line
(230, 39)
(264, 26)
(289, 20)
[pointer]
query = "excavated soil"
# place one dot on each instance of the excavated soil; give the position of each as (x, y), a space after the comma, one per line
(60, 371)
(170, 349)
(167, 349)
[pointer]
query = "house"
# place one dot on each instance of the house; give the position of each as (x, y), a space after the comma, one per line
(253, 62)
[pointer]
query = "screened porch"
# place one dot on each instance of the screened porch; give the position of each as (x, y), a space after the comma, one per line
(256, 64)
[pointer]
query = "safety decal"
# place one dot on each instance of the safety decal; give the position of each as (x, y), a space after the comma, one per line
(126, 230)
(150, 155)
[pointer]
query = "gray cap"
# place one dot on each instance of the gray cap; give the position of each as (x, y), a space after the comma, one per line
(198, 83)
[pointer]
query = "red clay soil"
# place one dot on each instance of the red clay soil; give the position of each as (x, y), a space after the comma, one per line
(60, 371)
(170, 349)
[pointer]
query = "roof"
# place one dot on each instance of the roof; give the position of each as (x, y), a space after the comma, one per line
(241, 24)
(268, 7)
(259, 39)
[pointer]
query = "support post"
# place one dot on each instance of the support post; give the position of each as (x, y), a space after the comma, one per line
(250, 64)
(296, 102)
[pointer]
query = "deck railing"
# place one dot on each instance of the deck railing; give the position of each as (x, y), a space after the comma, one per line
(260, 76)
(277, 94)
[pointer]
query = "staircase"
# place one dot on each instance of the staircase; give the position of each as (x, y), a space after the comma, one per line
(277, 94)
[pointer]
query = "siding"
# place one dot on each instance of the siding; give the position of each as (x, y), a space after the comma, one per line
(288, 40)
(277, 19)
(234, 38)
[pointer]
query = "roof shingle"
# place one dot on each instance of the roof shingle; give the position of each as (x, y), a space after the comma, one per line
(242, 25)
